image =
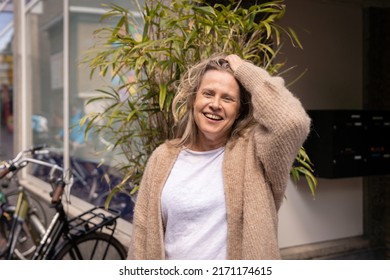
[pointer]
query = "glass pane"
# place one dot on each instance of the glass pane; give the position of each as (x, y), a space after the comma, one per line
(44, 78)
(94, 171)
(93, 166)
(6, 80)
(6, 30)
(45, 71)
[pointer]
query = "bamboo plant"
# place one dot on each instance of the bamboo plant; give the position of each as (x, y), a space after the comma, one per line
(149, 49)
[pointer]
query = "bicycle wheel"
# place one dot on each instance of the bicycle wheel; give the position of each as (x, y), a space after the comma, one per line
(93, 246)
(26, 242)
(35, 205)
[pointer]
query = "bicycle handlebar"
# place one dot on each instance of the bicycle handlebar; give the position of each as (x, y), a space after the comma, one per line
(21, 160)
(17, 163)
(32, 151)
(57, 193)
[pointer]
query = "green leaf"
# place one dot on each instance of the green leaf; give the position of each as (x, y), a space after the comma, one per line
(295, 37)
(162, 95)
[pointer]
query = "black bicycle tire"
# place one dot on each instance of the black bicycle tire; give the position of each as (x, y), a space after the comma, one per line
(81, 242)
(20, 252)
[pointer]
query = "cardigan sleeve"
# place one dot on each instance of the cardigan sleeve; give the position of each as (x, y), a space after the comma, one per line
(148, 232)
(139, 234)
(282, 125)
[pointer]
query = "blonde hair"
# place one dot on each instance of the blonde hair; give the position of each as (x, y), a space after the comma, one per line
(185, 127)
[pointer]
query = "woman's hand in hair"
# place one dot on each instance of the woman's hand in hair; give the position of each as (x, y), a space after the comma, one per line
(234, 61)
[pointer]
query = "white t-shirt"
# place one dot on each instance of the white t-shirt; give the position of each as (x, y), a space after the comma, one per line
(194, 208)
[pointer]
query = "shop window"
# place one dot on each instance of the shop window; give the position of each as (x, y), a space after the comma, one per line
(94, 171)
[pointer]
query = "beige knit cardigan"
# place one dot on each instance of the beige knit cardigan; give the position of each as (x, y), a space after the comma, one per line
(256, 169)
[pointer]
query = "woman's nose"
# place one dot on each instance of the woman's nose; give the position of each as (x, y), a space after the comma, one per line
(215, 103)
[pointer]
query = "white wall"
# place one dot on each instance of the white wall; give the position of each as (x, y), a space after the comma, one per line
(331, 34)
(336, 212)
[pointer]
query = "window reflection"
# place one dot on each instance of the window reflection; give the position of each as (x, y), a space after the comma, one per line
(94, 171)
(6, 77)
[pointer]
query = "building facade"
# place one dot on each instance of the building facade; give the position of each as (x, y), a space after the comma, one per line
(45, 87)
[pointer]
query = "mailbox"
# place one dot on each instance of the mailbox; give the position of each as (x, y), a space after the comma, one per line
(349, 143)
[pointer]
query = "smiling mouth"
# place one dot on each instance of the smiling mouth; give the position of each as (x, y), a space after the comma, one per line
(213, 117)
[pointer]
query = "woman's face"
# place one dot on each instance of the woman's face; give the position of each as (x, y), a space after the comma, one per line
(216, 108)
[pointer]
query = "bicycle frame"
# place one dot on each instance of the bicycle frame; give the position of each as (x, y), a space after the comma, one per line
(21, 213)
(57, 227)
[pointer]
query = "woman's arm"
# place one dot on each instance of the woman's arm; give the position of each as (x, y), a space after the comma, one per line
(283, 124)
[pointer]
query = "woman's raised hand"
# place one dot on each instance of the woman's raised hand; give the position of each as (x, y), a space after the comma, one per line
(234, 61)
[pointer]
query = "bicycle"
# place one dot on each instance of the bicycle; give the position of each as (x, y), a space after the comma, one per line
(26, 242)
(93, 182)
(89, 235)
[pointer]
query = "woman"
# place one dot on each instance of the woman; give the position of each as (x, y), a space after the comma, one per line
(214, 191)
